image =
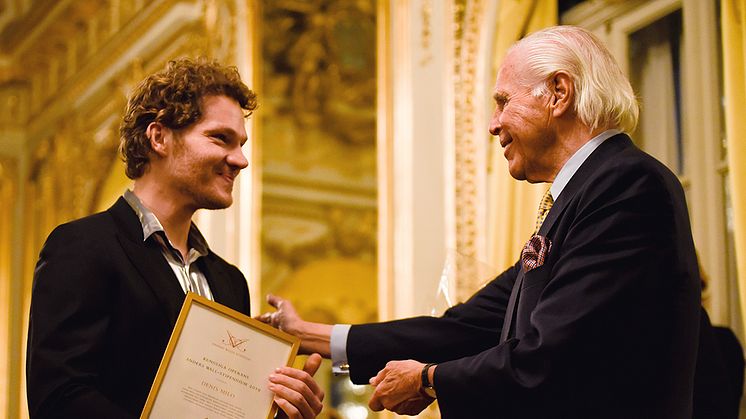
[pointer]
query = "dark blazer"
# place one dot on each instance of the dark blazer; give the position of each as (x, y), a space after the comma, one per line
(606, 328)
(103, 305)
(718, 378)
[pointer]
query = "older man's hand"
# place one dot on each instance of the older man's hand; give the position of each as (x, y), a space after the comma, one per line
(398, 388)
(286, 318)
(296, 392)
(315, 337)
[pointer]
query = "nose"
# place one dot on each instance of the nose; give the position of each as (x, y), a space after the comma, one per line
(237, 159)
(495, 124)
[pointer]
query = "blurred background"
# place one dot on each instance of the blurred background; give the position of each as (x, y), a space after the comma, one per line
(374, 191)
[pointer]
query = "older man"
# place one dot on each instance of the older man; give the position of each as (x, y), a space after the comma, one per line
(108, 288)
(599, 316)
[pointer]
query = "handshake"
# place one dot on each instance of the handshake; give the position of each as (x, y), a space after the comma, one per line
(400, 386)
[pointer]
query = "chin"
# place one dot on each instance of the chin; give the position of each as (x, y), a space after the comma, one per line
(517, 174)
(216, 202)
(223, 203)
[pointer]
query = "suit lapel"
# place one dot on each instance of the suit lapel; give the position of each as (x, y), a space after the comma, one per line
(216, 278)
(512, 302)
(148, 260)
(601, 154)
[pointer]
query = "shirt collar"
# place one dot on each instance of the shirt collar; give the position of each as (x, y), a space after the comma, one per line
(573, 163)
(151, 225)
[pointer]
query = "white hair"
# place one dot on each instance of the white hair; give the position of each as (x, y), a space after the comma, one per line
(603, 95)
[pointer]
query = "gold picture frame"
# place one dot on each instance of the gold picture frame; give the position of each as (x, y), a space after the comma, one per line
(217, 365)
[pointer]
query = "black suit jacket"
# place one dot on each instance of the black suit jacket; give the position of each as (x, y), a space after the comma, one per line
(606, 328)
(718, 378)
(103, 305)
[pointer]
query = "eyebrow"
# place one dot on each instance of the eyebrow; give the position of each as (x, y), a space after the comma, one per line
(228, 131)
(500, 96)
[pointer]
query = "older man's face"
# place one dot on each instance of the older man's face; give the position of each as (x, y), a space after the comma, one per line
(523, 124)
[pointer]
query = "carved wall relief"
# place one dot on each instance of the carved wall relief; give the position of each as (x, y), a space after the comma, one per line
(317, 128)
(317, 118)
(470, 146)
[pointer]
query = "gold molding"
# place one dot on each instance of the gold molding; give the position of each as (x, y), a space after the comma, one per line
(426, 12)
(466, 35)
(8, 194)
(384, 162)
(79, 59)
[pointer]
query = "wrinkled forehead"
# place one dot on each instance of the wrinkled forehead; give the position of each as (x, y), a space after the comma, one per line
(510, 68)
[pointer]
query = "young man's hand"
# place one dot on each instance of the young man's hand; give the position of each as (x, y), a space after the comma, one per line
(296, 392)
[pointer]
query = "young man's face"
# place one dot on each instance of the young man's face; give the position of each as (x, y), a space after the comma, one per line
(207, 154)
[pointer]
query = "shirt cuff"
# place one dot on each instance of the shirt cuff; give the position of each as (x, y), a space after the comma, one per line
(338, 343)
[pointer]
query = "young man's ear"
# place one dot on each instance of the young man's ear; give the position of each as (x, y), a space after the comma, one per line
(562, 91)
(157, 133)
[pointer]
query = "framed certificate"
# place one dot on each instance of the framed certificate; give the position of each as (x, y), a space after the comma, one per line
(217, 365)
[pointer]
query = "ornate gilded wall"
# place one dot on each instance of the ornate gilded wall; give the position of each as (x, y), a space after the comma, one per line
(317, 125)
(317, 128)
(470, 147)
(8, 187)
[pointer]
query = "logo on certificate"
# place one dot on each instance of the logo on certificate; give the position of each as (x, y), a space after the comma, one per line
(235, 342)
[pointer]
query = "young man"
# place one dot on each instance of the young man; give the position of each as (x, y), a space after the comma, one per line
(108, 288)
(599, 316)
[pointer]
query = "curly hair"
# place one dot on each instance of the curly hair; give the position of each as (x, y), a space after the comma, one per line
(173, 97)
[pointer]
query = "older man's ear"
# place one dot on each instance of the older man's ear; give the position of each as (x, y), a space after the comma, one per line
(562, 91)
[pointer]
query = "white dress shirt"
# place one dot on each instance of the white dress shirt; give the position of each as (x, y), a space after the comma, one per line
(187, 272)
